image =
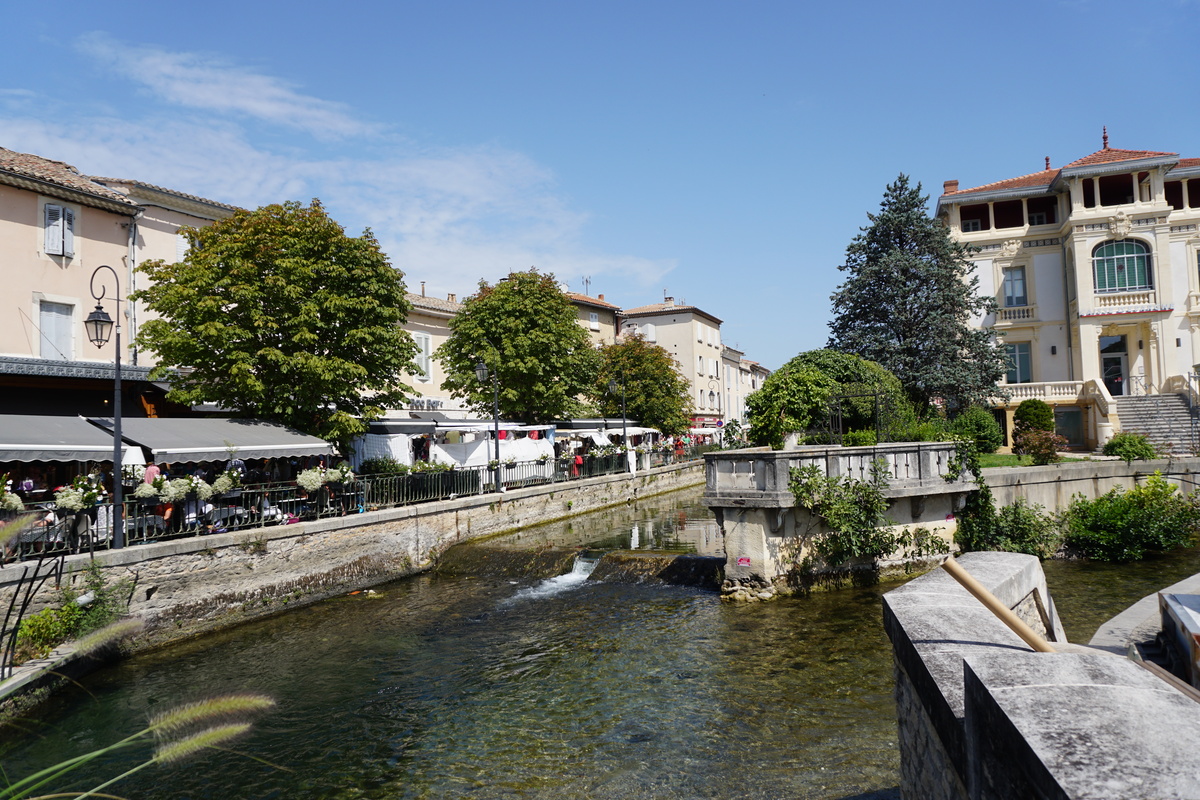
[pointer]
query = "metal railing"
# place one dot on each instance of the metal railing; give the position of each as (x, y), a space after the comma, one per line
(260, 505)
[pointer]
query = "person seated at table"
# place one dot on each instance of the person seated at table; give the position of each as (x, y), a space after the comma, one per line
(196, 511)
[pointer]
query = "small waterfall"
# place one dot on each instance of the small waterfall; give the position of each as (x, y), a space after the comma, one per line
(585, 562)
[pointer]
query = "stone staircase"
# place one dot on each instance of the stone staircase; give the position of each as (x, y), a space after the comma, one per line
(1164, 419)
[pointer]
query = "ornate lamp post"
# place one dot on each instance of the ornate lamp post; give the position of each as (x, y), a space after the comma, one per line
(99, 326)
(612, 388)
(481, 372)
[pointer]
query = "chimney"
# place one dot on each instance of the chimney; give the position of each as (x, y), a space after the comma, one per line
(949, 187)
(452, 297)
(670, 301)
(422, 288)
(601, 297)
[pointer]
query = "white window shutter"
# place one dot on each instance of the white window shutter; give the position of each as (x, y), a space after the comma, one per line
(649, 332)
(181, 247)
(68, 232)
(54, 238)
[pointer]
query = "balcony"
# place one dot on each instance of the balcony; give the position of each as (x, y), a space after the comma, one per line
(1142, 300)
(1050, 391)
(1016, 314)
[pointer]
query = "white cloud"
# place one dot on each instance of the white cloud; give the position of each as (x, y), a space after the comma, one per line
(447, 216)
(211, 83)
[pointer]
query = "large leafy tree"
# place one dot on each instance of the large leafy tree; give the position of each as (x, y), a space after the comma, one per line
(656, 393)
(860, 383)
(524, 329)
(793, 398)
(908, 302)
(277, 314)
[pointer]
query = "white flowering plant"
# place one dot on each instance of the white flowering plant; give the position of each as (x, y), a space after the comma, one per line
(8, 500)
(82, 493)
(339, 474)
(311, 479)
(132, 473)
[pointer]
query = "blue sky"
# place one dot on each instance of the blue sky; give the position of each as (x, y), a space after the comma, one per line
(724, 153)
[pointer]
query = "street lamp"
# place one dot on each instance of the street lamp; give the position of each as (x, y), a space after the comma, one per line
(612, 389)
(481, 372)
(99, 326)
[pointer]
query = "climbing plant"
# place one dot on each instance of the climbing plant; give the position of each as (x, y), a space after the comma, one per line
(853, 512)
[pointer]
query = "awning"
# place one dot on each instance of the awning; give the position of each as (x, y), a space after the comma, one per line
(199, 439)
(412, 427)
(29, 437)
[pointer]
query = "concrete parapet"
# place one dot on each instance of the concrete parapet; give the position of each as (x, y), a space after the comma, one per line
(983, 717)
(767, 536)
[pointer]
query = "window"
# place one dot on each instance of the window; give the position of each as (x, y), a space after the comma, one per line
(699, 332)
(971, 225)
(976, 217)
(424, 356)
(700, 398)
(594, 321)
(1122, 266)
(1020, 364)
(699, 365)
(182, 246)
(55, 327)
(60, 230)
(1042, 210)
(1014, 288)
(649, 332)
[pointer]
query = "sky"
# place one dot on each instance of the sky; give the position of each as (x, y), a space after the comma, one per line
(723, 153)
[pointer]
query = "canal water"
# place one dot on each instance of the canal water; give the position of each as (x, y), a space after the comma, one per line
(506, 683)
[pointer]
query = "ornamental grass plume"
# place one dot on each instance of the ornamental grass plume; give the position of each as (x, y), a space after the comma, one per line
(177, 733)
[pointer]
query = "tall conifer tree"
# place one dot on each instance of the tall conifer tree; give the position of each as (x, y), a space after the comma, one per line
(909, 301)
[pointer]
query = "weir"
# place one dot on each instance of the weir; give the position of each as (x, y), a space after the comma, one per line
(766, 534)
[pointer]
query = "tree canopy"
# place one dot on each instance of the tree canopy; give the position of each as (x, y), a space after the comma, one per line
(277, 314)
(908, 302)
(791, 399)
(656, 393)
(524, 329)
(853, 375)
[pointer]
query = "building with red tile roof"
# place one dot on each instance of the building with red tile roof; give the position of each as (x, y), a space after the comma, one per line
(1095, 267)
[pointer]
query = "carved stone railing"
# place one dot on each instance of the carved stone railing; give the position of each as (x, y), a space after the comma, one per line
(758, 477)
(1017, 314)
(1057, 391)
(1101, 302)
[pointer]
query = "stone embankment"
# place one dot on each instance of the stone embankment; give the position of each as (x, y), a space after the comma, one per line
(982, 716)
(184, 587)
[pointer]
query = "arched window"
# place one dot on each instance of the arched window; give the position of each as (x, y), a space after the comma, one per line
(1122, 266)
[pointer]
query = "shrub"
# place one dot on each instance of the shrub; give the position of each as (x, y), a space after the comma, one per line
(859, 439)
(1126, 525)
(383, 465)
(1129, 446)
(50, 627)
(1041, 445)
(1018, 528)
(980, 425)
(934, 430)
(1033, 414)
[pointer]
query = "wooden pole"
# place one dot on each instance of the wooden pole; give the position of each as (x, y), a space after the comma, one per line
(1014, 623)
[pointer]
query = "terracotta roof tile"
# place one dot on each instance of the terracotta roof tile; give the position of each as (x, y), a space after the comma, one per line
(1043, 178)
(1109, 155)
(591, 301)
(433, 303)
(56, 173)
(1188, 162)
(151, 186)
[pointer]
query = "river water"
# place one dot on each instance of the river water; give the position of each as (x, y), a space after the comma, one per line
(493, 686)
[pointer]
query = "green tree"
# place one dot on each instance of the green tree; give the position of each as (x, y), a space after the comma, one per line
(853, 375)
(791, 399)
(656, 393)
(908, 302)
(525, 330)
(277, 314)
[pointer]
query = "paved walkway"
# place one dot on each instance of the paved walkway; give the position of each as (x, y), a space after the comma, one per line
(1140, 622)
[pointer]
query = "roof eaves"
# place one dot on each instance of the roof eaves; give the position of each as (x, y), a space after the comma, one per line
(58, 190)
(1114, 167)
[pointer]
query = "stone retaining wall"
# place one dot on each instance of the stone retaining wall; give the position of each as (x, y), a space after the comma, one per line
(1053, 485)
(982, 716)
(183, 587)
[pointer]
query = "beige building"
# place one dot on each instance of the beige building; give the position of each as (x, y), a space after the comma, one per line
(1094, 266)
(57, 227)
(429, 325)
(693, 337)
(597, 316)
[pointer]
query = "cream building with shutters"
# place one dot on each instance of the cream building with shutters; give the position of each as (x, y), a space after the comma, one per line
(1095, 267)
